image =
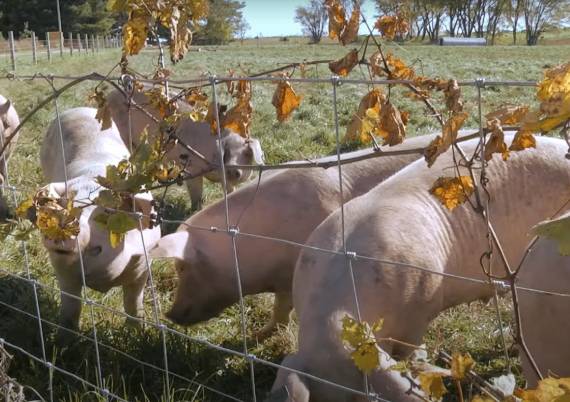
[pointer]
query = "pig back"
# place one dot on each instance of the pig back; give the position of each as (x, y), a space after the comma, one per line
(87, 149)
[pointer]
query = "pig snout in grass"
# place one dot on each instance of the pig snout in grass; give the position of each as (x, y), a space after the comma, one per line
(400, 221)
(197, 135)
(9, 120)
(286, 205)
(89, 258)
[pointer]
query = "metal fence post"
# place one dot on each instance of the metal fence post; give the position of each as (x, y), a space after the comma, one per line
(48, 44)
(34, 49)
(70, 39)
(12, 49)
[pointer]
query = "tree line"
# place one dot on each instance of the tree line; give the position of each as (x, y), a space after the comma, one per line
(428, 19)
(224, 22)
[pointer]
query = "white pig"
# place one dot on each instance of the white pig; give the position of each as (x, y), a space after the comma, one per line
(400, 221)
(9, 120)
(545, 317)
(236, 149)
(88, 151)
(286, 205)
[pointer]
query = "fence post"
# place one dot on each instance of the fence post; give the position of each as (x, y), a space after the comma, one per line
(93, 44)
(61, 44)
(70, 39)
(12, 49)
(97, 43)
(48, 44)
(86, 43)
(79, 44)
(34, 49)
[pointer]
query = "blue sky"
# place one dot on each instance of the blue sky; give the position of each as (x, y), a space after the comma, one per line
(276, 17)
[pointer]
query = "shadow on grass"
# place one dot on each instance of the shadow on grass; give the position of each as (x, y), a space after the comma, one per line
(133, 371)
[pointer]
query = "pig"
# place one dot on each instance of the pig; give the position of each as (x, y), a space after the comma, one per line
(285, 205)
(400, 221)
(88, 151)
(236, 150)
(9, 120)
(544, 317)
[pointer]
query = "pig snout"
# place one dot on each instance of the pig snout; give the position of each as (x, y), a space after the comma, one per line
(61, 247)
(180, 314)
(234, 175)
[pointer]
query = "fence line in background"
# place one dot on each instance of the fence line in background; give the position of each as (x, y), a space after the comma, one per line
(163, 327)
(15, 50)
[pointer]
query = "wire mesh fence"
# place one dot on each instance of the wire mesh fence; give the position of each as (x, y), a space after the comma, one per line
(160, 364)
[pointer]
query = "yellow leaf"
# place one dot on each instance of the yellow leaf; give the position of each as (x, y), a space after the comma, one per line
(558, 230)
(135, 32)
(24, 207)
(508, 115)
(343, 66)
(460, 365)
(452, 191)
(377, 65)
(238, 118)
(440, 144)
(392, 128)
(180, 35)
(337, 18)
(115, 239)
(366, 119)
(482, 398)
(432, 384)
(392, 25)
(523, 140)
(103, 115)
(548, 390)
(350, 32)
(398, 69)
(366, 357)
(285, 100)
(557, 80)
(496, 143)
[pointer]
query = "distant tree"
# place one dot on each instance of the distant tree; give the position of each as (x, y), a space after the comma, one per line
(222, 24)
(538, 14)
(241, 29)
(313, 18)
(89, 16)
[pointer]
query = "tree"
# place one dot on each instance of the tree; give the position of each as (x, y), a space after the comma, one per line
(222, 24)
(539, 13)
(242, 28)
(313, 18)
(89, 16)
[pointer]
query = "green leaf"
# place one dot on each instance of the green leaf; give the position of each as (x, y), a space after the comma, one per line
(557, 230)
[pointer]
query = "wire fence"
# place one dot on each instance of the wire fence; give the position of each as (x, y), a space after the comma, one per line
(99, 383)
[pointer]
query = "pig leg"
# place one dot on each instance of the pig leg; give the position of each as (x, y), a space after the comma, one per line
(195, 188)
(280, 316)
(133, 294)
(70, 310)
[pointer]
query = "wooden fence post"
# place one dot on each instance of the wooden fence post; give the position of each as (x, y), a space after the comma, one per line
(70, 39)
(93, 44)
(48, 44)
(97, 43)
(86, 43)
(79, 44)
(34, 49)
(60, 44)
(12, 49)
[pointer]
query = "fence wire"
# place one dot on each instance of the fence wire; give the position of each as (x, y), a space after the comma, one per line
(100, 387)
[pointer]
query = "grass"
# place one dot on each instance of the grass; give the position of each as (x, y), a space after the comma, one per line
(309, 133)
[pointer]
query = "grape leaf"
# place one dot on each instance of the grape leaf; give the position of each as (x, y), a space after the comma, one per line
(135, 32)
(496, 143)
(432, 384)
(508, 115)
(523, 140)
(365, 121)
(392, 25)
(556, 229)
(460, 365)
(103, 115)
(452, 191)
(343, 66)
(440, 144)
(285, 100)
(360, 337)
(392, 127)
(548, 390)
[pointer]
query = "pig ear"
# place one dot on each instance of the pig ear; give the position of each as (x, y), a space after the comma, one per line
(5, 107)
(255, 146)
(143, 204)
(171, 246)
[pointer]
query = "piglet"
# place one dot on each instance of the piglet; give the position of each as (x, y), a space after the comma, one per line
(236, 150)
(85, 154)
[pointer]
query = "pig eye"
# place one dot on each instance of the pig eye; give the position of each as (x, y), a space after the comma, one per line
(94, 251)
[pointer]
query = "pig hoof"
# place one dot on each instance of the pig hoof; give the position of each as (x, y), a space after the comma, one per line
(134, 322)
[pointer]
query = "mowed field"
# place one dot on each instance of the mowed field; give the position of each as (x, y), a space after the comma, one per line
(308, 134)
